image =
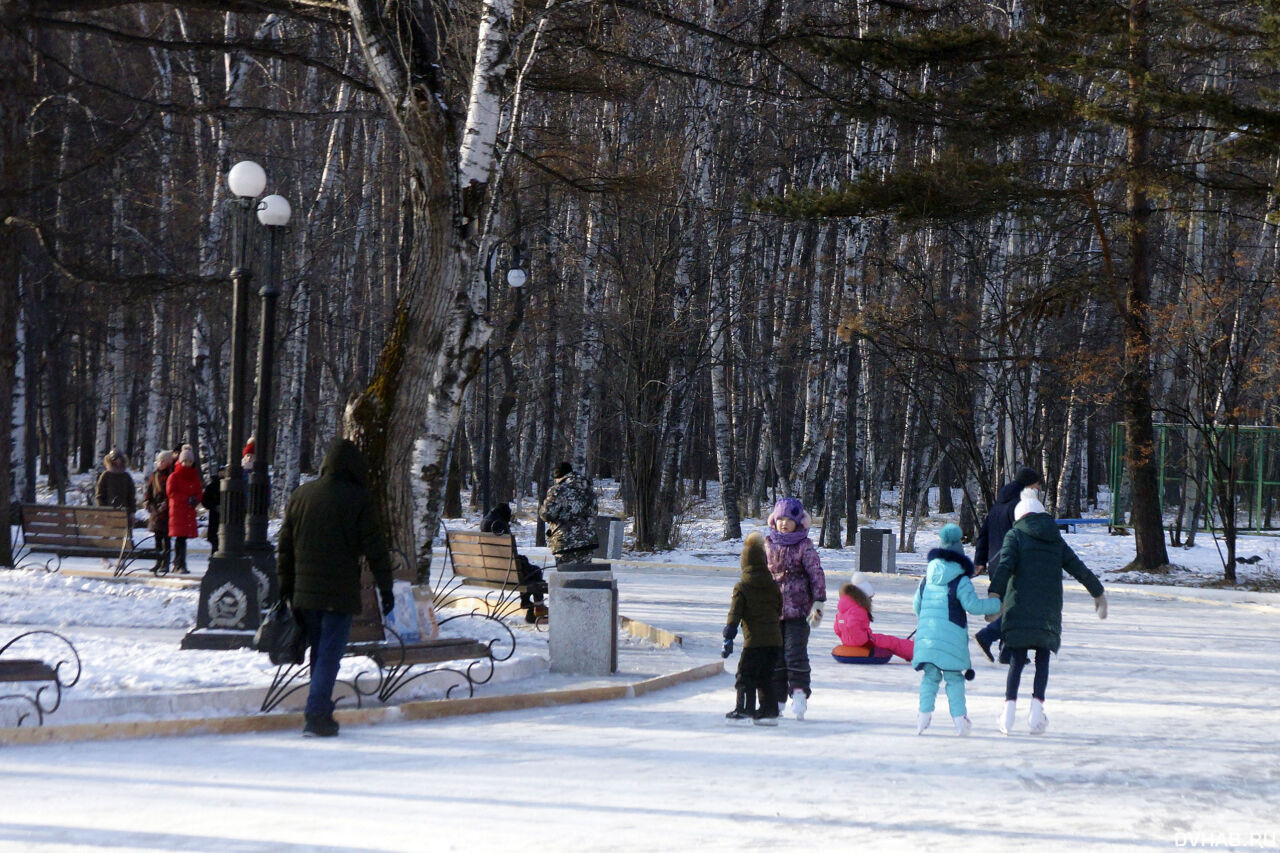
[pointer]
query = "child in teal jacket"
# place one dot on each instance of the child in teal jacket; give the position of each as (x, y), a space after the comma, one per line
(942, 636)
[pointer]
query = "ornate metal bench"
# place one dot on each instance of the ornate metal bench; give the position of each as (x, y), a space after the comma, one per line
(394, 663)
(80, 531)
(45, 698)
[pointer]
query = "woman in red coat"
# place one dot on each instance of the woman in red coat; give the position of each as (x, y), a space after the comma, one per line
(184, 489)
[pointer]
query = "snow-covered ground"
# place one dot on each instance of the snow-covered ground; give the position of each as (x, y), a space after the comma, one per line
(1163, 734)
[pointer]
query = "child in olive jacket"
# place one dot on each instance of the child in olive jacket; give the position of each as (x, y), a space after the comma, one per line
(757, 605)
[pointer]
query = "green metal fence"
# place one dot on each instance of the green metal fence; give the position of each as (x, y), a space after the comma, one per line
(1183, 457)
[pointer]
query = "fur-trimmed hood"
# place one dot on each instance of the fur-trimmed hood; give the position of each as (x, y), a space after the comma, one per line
(947, 555)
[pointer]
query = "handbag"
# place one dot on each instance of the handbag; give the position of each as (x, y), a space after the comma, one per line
(281, 636)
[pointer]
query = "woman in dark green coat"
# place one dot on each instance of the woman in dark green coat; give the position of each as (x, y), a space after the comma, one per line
(1029, 582)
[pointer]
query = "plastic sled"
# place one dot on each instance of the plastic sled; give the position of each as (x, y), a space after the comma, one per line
(858, 654)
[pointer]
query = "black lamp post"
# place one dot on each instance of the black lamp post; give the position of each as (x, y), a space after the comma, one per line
(274, 213)
(227, 615)
(516, 278)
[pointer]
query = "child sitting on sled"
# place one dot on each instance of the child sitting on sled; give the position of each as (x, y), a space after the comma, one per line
(853, 626)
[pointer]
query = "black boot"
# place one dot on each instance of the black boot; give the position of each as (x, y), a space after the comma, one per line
(320, 725)
(741, 711)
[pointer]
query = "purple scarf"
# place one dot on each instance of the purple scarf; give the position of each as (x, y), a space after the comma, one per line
(795, 537)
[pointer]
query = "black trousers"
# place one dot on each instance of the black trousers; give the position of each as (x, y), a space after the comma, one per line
(530, 577)
(1017, 660)
(755, 674)
(792, 672)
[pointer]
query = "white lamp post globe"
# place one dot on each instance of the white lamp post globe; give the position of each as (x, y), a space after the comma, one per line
(516, 277)
(247, 179)
(274, 210)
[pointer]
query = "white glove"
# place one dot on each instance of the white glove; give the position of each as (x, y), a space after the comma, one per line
(815, 614)
(1100, 605)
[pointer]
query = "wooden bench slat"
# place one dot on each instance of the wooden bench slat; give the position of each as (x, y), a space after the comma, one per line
(26, 670)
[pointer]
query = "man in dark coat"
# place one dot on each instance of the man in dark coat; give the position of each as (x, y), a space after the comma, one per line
(329, 524)
(991, 536)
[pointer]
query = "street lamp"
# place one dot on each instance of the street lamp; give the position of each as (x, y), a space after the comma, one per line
(273, 212)
(227, 614)
(516, 278)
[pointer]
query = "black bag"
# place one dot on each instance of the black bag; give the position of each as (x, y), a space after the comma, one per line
(281, 636)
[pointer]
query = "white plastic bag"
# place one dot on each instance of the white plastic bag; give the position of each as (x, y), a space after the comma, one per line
(403, 619)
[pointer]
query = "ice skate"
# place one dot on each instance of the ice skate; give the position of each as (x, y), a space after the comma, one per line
(1005, 721)
(799, 704)
(922, 721)
(765, 721)
(962, 724)
(1036, 720)
(744, 710)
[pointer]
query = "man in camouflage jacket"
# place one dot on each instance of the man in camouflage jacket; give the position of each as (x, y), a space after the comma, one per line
(570, 513)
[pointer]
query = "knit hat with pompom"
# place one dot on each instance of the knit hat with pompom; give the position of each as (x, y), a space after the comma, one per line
(950, 536)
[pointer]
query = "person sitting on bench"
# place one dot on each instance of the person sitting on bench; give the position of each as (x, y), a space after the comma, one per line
(498, 520)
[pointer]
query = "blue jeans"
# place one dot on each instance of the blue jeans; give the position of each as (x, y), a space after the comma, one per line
(327, 632)
(929, 682)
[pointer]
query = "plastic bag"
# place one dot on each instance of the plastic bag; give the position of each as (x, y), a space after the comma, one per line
(403, 618)
(281, 636)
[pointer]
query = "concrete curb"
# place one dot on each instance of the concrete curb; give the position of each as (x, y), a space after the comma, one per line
(642, 630)
(425, 710)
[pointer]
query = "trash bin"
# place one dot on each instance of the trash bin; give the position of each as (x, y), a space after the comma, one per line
(582, 600)
(608, 537)
(877, 551)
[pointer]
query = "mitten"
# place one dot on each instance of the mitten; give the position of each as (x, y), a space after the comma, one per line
(1100, 605)
(388, 603)
(815, 614)
(729, 632)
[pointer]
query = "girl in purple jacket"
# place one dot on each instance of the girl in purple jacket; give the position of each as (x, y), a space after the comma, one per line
(794, 564)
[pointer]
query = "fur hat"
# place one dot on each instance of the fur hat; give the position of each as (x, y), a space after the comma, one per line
(163, 458)
(1026, 477)
(562, 469)
(113, 458)
(790, 508)
(753, 556)
(1027, 504)
(863, 583)
(949, 536)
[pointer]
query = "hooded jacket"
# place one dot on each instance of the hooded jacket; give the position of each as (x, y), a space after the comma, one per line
(329, 524)
(757, 601)
(570, 513)
(115, 486)
(940, 603)
(986, 548)
(1029, 580)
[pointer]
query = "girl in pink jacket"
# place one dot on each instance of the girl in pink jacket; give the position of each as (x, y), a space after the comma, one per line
(853, 622)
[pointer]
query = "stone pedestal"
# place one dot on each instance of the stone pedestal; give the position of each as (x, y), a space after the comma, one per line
(582, 600)
(608, 537)
(228, 614)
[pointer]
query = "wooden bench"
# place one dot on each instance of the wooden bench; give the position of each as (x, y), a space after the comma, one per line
(82, 531)
(37, 671)
(397, 662)
(489, 560)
